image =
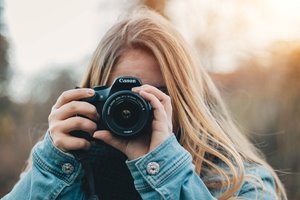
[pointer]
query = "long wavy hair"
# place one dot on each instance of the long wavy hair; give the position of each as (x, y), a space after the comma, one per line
(206, 130)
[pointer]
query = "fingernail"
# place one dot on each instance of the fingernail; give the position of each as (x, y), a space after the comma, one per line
(96, 135)
(135, 89)
(91, 91)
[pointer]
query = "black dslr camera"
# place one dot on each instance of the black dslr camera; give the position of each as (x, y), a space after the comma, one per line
(122, 112)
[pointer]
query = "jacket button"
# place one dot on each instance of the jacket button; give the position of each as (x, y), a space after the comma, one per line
(153, 168)
(67, 168)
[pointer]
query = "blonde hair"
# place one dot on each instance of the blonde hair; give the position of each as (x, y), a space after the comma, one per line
(205, 128)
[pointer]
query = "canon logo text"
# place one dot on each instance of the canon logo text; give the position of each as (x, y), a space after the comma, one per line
(122, 80)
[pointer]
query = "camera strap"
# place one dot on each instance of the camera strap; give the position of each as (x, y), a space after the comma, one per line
(88, 179)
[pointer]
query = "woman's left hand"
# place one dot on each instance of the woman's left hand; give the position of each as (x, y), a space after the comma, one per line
(161, 126)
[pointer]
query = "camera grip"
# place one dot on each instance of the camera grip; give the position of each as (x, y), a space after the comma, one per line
(82, 134)
(79, 133)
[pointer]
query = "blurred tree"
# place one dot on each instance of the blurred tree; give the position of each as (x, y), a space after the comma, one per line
(27, 122)
(158, 6)
(3, 63)
(264, 98)
(4, 66)
(6, 119)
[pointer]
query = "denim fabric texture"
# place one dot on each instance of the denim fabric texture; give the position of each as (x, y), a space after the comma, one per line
(165, 173)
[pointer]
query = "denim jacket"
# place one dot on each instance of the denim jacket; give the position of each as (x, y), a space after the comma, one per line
(165, 173)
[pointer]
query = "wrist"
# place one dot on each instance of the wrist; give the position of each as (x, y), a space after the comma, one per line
(136, 154)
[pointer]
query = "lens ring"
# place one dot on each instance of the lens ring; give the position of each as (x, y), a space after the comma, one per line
(126, 128)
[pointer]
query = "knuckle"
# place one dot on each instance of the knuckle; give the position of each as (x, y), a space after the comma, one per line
(58, 142)
(50, 117)
(53, 128)
(53, 108)
(84, 124)
(146, 86)
(168, 99)
(77, 122)
(64, 95)
(81, 144)
(72, 106)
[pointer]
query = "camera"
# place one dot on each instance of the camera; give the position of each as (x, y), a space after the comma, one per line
(123, 112)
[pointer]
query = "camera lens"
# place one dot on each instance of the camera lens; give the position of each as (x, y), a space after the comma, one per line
(126, 113)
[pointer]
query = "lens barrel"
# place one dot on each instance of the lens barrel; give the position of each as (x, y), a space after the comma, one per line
(126, 114)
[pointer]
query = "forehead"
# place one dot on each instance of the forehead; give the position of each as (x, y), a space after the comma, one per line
(140, 64)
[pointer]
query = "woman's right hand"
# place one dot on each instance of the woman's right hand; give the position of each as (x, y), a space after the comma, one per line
(66, 116)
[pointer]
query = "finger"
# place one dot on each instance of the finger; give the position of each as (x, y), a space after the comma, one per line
(159, 111)
(74, 108)
(161, 116)
(151, 89)
(68, 143)
(73, 95)
(73, 124)
(110, 139)
(161, 125)
(163, 98)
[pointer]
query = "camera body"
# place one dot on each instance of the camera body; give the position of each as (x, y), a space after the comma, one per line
(123, 112)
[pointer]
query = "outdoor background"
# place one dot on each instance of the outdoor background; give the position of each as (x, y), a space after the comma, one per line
(251, 49)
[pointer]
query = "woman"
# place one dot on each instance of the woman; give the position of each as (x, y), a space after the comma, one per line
(194, 152)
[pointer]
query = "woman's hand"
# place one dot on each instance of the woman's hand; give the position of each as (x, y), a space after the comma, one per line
(161, 126)
(66, 115)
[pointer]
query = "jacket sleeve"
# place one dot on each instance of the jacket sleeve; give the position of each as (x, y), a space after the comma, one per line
(259, 184)
(54, 175)
(168, 173)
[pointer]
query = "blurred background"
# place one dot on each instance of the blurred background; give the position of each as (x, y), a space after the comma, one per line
(251, 48)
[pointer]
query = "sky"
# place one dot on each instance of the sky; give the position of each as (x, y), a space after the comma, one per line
(237, 28)
(44, 34)
(52, 34)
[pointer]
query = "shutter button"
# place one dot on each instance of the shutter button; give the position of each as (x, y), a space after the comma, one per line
(67, 168)
(153, 168)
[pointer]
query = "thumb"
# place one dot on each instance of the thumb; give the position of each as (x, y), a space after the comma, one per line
(110, 139)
